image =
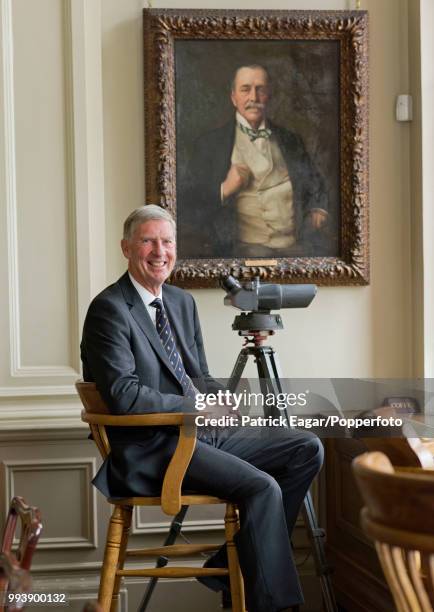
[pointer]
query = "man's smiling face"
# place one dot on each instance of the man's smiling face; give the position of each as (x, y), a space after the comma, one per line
(151, 253)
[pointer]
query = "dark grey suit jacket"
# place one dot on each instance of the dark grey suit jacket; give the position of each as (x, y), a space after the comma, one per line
(122, 353)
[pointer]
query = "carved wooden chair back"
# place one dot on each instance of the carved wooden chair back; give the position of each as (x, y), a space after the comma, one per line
(93, 404)
(29, 519)
(407, 450)
(15, 564)
(14, 583)
(399, 517)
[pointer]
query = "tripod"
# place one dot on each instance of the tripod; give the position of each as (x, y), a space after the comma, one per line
(256, 327)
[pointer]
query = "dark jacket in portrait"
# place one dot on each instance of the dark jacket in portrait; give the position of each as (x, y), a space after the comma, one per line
(199, 204)
(123, 354)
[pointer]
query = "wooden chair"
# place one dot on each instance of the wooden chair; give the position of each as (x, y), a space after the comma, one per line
(29, 519)
(14, 582)
(96, 414)
(406, 449)
(14, 566)
(399, 517)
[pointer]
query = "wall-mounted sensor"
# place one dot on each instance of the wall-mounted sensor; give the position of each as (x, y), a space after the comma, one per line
(404, 108)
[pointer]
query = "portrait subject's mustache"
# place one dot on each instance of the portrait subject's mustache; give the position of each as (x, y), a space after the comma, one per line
(254, 105)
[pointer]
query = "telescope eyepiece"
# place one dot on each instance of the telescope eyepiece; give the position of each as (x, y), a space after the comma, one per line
(231, 284)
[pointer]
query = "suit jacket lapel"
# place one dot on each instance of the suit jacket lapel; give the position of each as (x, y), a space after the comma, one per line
(287, 148)
(142, 318)
(224, 149)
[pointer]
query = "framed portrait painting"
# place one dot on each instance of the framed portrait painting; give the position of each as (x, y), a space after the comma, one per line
(256, 139)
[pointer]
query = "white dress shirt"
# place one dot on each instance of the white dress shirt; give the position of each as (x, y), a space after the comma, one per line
(259, 143)
(147, 298)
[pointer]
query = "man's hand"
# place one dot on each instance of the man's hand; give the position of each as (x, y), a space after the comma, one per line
(237, 178)
(317, 219)
(220, 410)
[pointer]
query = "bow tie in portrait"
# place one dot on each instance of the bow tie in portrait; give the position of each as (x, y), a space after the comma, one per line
(254, 134)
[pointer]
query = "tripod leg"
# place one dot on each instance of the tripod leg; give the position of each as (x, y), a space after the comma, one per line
(269, 383)
(175, 529)
(266, 379)
(238, 370)
(274, 364)
(316, 536)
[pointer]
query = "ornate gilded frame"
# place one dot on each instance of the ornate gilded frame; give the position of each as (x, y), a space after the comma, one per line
(350, 29)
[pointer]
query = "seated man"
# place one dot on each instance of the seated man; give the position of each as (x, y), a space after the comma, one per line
(142, 346)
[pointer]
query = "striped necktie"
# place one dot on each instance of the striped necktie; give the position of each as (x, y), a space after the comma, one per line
(168, 341)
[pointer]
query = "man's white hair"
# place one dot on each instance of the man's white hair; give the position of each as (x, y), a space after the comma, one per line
(252, 67)
(150, 212)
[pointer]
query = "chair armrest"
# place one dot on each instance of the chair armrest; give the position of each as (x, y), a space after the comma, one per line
(136, 420)
(174, 476)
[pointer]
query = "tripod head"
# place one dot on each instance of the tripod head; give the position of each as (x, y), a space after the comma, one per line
(256, 326)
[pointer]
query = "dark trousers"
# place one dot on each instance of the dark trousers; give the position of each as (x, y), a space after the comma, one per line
(267, 472)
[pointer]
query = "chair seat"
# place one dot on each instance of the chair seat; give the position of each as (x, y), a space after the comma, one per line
(186, 500)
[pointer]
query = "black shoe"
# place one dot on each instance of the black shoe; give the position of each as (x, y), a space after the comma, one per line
(216, 583)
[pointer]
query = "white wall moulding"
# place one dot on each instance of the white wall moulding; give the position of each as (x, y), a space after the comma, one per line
(55, 413)
(88, 151)
(427, 98)
(44, 371)
(85, 567)
(70, 523)
(10, 195)
(35, 391)
(33, 409)
(34, 437)
(11, 31)
(79, 273)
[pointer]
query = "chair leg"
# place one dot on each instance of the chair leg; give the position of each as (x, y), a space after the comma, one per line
(235, 577)
(111, 558)
(127, 512)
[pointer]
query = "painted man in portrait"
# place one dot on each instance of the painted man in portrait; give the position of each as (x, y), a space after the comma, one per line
(252, 183)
